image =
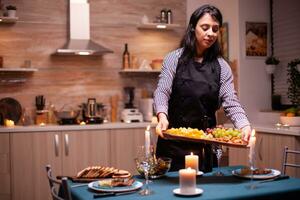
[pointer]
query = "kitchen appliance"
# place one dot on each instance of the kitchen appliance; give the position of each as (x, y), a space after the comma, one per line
(79, 42)
(146, 108)
(67, 117)
(130, 113)
(93, 112)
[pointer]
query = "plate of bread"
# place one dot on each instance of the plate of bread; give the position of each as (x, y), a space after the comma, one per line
(108, 185)
(218, 135)
(93, 173)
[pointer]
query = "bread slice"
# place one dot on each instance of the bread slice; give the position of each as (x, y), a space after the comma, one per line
(103, 172)
(83, 172)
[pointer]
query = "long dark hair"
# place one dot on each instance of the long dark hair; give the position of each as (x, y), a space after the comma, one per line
(188, 41)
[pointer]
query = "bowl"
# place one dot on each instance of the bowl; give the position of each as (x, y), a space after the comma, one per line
(158, 167)
(292, 121)
(156, 64)
(72, 114)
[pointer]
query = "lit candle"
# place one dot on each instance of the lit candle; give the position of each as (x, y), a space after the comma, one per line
(9, 123)
(147, 141)
(252, 142)
(187, 181)
(192, 161)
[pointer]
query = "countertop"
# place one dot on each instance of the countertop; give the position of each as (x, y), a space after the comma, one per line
(266, 128)
(37, 128)
(272, 128)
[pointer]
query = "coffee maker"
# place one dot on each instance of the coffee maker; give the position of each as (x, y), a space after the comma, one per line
(92, 112)
(130, 113)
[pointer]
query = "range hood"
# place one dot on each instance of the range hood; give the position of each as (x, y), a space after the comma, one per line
(79, 42)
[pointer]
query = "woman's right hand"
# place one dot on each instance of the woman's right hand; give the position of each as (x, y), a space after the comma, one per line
(162, 125)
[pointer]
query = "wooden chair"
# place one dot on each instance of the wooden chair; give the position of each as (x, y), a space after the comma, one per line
(55, 184)
(285, 163)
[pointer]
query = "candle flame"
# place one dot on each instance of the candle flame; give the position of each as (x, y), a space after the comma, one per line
(253, 133)
(148, 128)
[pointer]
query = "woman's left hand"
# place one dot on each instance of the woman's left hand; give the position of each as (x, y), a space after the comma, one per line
(246, 133)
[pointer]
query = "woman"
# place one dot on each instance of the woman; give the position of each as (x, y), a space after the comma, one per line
(195, 81)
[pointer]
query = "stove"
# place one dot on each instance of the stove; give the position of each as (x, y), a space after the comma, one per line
(93, 120)
(68, 122)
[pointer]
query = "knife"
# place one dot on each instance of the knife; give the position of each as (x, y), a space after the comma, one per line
(274, 179)
(107, 194)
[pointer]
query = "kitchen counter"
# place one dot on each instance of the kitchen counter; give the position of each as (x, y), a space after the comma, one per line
(266, 128)
(271, 128)
(37, 128)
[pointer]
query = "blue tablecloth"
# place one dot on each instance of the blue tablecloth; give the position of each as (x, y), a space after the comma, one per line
(215, 187)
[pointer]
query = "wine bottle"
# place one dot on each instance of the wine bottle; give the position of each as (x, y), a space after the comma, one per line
(126, 57)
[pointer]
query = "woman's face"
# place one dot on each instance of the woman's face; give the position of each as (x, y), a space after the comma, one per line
(206, 32)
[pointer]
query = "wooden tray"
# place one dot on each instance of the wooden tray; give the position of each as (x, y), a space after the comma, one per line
(207, 141)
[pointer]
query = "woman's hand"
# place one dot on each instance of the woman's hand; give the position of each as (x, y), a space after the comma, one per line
(246, 133)
(162, 125)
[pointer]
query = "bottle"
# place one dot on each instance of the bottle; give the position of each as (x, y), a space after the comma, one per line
(169, 17)
(51, 115)
(25, 118)
(163, 16)
(126, 58)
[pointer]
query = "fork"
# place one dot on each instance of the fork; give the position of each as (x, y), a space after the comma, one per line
(273, 179)
(79, 185)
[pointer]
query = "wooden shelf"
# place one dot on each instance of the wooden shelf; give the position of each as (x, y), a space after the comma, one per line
(18, 69)
(159, 26)
(8, 20)
(139, 71)
(15, 75)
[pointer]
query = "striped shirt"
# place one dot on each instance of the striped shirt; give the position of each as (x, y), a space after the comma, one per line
(227, 94)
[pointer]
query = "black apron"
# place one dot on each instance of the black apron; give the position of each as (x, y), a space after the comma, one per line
(193, 103)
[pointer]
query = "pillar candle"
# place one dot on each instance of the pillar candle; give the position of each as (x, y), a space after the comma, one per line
(192, 161)
(187, 181)
(147, 141)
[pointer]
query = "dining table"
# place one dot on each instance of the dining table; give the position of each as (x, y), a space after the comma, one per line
(215, 187)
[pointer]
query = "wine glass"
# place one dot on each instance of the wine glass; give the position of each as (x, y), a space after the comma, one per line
(217, 149)
(252, 168)
(145, 161)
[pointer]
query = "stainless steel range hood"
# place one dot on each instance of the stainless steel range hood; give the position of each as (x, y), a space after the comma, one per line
(79, 25)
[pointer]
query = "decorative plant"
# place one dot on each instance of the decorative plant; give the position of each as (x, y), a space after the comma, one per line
(294, 82)
(271, 60)
(11, 7)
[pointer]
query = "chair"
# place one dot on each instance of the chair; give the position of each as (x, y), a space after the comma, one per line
(55, 184)
(285, 163)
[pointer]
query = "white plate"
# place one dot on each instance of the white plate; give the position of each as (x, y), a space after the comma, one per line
(199, 173)
(95, 186)
(178, 192)
(272, 174)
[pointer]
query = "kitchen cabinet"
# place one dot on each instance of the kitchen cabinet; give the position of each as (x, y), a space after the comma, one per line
(25, 152)
(84, 148)
(4, 167)
(124, 143)
(30, 153)
(269, 152)
(67, 153)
